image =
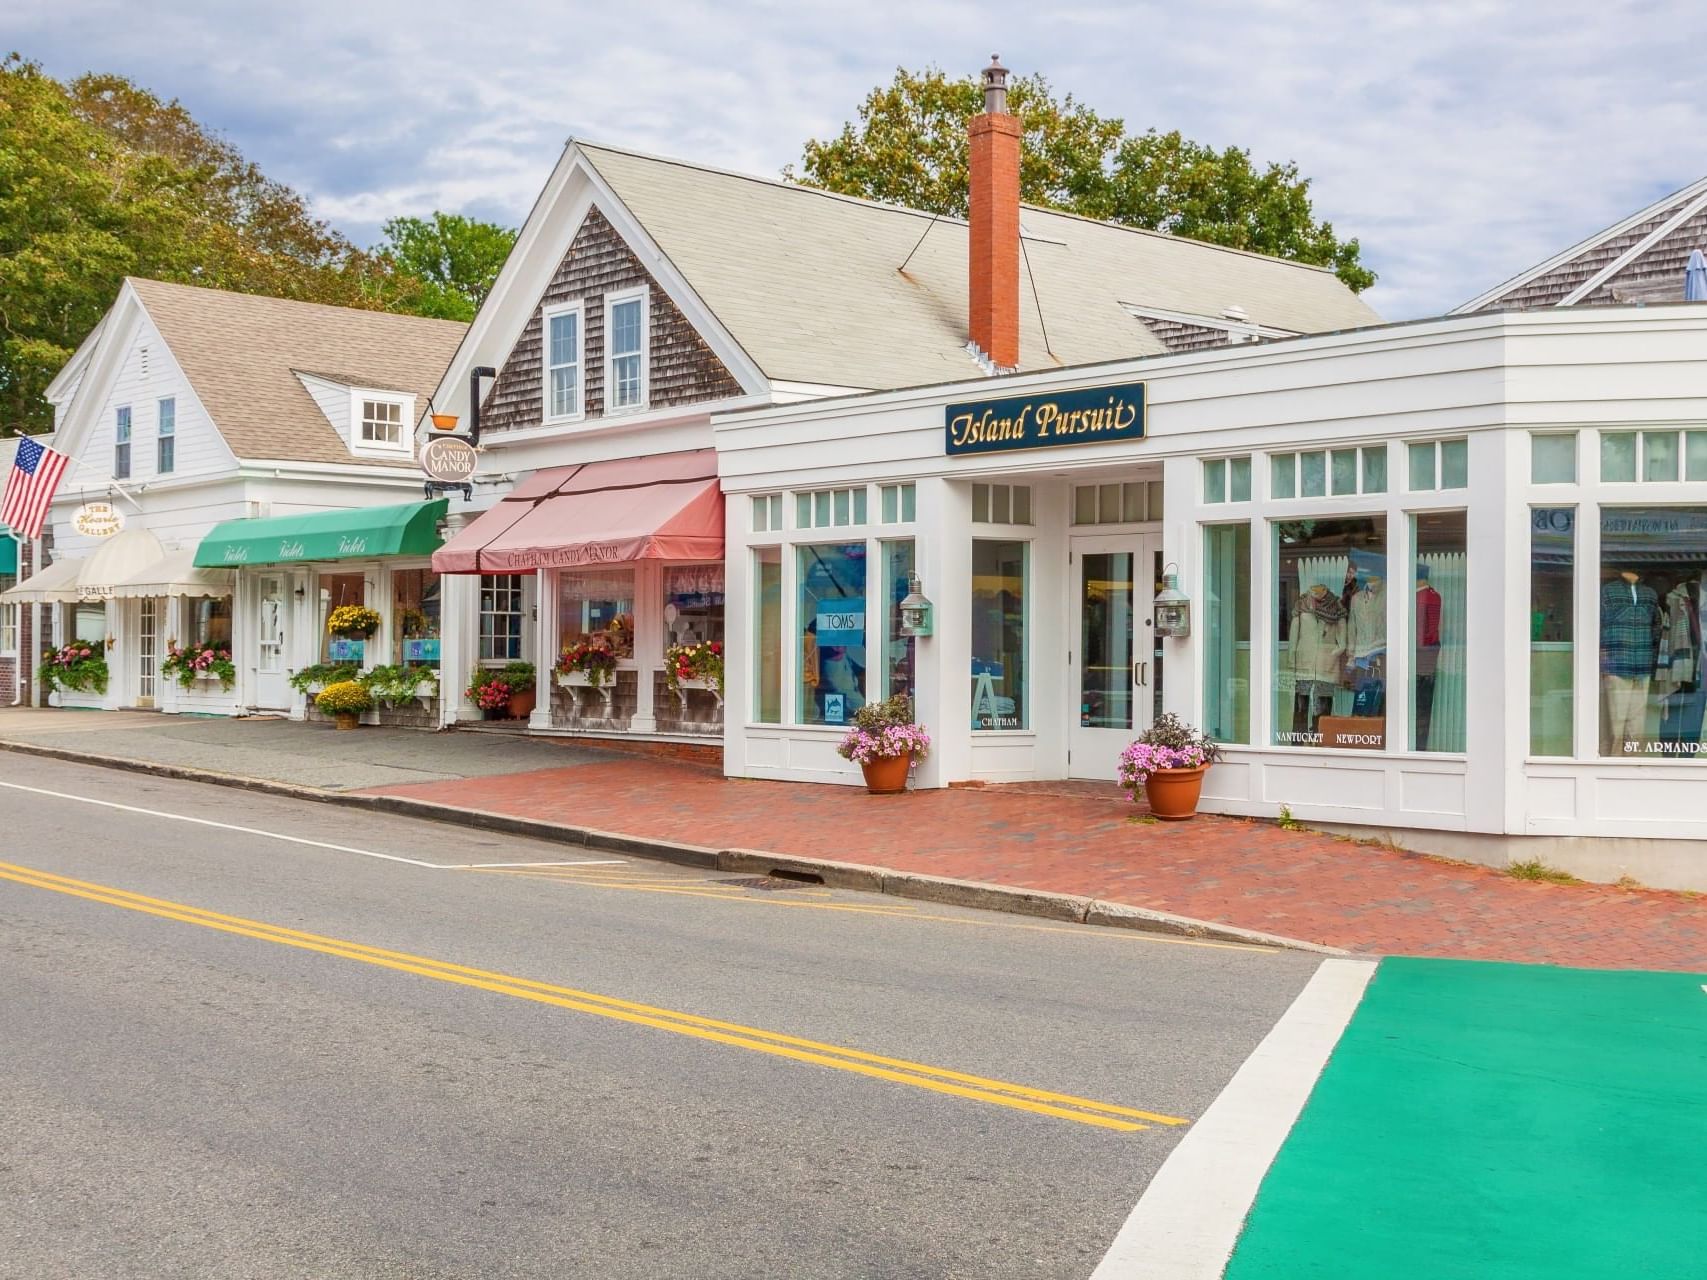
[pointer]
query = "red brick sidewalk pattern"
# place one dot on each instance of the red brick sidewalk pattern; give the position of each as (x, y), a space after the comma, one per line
(1082, 840)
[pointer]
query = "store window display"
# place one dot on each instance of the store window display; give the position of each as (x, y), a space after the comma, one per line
(831, 610)
(1438, 625)
(999, 675)
(1331, 634)
(1653, 583)
(693, 604)
(598, 605)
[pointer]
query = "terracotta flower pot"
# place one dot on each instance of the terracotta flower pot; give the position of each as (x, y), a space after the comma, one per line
(1173, 793)
(887, 776)
(347, 720)
(522, 704)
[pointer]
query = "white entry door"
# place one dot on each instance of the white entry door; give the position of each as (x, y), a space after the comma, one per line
(1116, 661)
(272, 688)
(147, 650)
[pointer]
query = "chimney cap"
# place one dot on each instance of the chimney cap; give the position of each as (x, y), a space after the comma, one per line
(995, 79)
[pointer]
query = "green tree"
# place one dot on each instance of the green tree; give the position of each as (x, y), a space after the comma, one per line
(908, 146)
(455, 259)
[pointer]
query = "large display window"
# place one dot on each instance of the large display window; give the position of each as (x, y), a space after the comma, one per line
(1227, 632)
(1000, 678)
(336, 591)
(831, 613)
(597, 604)
(209, 623)
(1653, 577)
(416, 616)
(1330, 660)
(1552, 629)
(898, 650)
(1439, 615)
(693, 603)
(767, 635)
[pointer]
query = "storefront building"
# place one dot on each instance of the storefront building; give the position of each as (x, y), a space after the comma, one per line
(1397, 544)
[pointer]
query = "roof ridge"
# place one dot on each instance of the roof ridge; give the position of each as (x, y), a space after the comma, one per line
(275, 300)
(1173, 238)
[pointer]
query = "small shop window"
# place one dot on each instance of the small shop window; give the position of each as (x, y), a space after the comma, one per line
(87, 622)
(336, 591)
(767, 635)
(693, 603)
(1322, 473)
(121, 443)
(1001, 504)
(1227, 480)
(500, 617)
(830, 508)
(1438, 464)
(1552, 630)
(166, 444)
(1438, 630)
(1653, 581)
(417, 614)
(899, 503)
(209, 622)
(8, 620)
(831, 610)
(1227, 632)
(1000, 675)
(382, 424)
(1330, 658)
(1655, 457)
(898, 650)
(767, 513)
(1132, 502)
(1553, 459)
(597, 605)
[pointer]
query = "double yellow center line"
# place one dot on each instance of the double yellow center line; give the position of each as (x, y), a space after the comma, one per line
(936, 1079)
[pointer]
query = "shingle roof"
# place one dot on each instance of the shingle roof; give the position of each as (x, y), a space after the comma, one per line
(808, 282)
(239, 350)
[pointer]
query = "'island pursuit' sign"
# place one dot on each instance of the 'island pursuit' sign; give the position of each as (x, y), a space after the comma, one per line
(1089, 416)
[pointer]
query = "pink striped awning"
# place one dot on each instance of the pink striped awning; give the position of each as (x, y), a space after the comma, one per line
(667, 507)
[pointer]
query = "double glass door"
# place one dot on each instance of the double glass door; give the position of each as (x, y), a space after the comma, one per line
(1116, 657)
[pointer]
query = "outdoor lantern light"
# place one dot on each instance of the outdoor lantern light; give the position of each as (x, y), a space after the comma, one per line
(915, 609)
(1172, 606)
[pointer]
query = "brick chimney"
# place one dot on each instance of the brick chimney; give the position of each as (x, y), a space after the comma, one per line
(993, 265)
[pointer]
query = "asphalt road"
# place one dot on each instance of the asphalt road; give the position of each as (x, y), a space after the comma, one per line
(227, 1054)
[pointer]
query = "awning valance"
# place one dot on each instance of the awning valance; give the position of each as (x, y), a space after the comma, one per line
(667, 507)
(176, 575)
(123, 556)
(359, 533)
(56, 584)
(8, 555)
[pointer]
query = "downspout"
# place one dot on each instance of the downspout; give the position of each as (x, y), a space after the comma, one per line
(474, 376)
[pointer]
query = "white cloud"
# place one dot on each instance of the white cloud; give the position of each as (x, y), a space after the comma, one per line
(1459, 143)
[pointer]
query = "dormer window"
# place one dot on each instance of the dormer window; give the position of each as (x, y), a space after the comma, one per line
(625, 351)
(562, 343)
(381, 424)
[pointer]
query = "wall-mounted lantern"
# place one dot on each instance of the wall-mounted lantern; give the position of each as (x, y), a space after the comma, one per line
(1172, 606)
(915, 609)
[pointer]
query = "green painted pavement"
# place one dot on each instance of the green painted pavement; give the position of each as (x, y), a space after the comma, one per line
(1494, 1121)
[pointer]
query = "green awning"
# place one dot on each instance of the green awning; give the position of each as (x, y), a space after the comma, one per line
(8, 556)
(357, 534)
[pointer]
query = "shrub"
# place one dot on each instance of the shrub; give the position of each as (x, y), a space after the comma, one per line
(345, 698)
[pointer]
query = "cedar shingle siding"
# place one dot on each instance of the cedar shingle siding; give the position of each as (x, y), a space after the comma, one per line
(682, 368)
(1176, 335)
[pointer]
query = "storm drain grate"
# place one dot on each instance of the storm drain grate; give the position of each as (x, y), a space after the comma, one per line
(773, 883)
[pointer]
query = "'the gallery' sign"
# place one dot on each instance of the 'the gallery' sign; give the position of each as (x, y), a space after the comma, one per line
(1089, 416)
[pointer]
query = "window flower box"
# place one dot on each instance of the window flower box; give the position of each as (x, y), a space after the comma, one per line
(683, 684)
(601, 682)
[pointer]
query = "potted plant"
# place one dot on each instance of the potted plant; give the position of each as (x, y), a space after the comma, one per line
(344, 702)
(504, 693)
(885, 743)
(353, 621)
(586, 664)
(78, 667)
(312, 679)
(1168, 761)
(520, 677)
(694, 666)
(199, 662)
(393, 685)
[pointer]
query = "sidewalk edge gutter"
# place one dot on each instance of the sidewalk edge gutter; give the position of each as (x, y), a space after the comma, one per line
(839, 875)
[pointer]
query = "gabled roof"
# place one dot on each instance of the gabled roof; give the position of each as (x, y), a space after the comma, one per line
(239, 352)
(808, 282)
(1638, 259)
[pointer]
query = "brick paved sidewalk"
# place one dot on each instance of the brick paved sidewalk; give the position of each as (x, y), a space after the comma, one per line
(1083, 840)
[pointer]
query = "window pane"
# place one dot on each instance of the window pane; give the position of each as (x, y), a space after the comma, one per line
(776, 511)
(1344, 471)
(761, 515)
(625, 327)
(693, 605)
(1022, 504)
(980, 504)
(1132, 501)
(897, 649)
(563, 391)
(1283, 475)
(802, 511)
(767, 635)
(1106, 640)
(999, 684)
(1553, 459)
(416, 615)
(625, 377)
(843, 501)
(1000, 495)
(597, 605)
(909, 503)
(832, 621)
(1313, 477)
(1215, 480)
(168, 417)
(1552, 629)
(1695, 455)
(1108, 504)
(1454, 464)
(209, 622)
(1438, 632)
(1227, 632)
(1618, 456)
(500, 616)
(859, 500)
(1084, 504)
(1375, 469)
(1330, 656)
(1422, 465)
(1659, 455)
(1239, 480)
(821, 509)
(1653, 567)
(336, 591)
(565, 342)
(168, 455)
(891, 504)
(1153, 504)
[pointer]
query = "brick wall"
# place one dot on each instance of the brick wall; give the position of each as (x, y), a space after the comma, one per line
(14, 672)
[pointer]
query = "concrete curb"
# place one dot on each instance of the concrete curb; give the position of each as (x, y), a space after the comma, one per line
(944, 890)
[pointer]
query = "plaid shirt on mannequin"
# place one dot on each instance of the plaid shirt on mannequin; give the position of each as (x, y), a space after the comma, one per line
(1630, 623)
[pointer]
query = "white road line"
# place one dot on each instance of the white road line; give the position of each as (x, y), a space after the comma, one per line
(312, 844)
(1186, 1223)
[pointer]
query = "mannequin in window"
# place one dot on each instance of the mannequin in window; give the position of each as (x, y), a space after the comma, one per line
(1427, 654)
(1677, 671)
(809, 674)
(1315, 655)
(1631, 622)
(1366, 645)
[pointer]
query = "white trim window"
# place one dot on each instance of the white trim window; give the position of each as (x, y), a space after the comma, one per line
(625, 351)
(501, 617)
(8, 625)
(381, 424)
(166, 441)
(121, 443)
(562, 333)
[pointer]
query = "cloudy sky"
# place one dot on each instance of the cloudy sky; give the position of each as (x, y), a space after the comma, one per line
(1459, 141)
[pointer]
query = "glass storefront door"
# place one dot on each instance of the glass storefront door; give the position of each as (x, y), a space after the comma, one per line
(272, 688)
(147, 650)
(1116, 661)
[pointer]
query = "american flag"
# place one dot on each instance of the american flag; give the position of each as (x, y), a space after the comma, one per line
(30, 487)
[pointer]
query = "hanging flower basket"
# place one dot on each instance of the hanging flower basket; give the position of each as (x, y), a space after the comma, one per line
(353, 622)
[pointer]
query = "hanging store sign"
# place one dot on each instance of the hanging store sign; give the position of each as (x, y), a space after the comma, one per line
(97, 520)
(1093, 415)
(449, 460)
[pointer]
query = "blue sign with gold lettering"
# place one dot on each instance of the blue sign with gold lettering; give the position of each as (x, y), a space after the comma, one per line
(1092, 415)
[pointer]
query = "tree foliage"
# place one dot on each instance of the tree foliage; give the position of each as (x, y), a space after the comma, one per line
(908, 147)
(454, 259)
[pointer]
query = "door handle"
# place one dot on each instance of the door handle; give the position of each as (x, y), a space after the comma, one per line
(1138, 674)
